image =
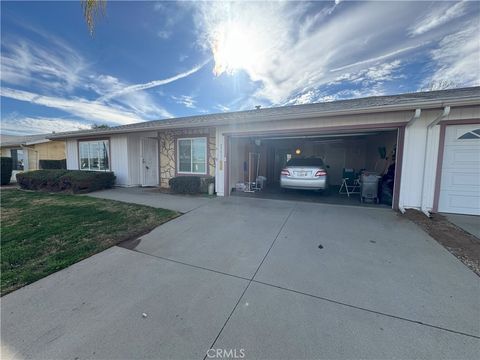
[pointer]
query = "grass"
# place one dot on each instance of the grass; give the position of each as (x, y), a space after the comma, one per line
(42, 233)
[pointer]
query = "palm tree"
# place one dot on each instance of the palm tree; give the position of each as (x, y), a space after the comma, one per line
(92, 9)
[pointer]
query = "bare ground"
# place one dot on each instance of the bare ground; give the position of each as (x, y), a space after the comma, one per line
(460, 243)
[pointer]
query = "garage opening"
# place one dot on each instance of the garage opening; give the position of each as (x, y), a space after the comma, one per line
(357, 168)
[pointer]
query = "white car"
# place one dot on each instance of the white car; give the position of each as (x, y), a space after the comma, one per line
(304, 174)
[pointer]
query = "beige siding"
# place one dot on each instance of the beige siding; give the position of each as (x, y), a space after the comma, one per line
(52, 150)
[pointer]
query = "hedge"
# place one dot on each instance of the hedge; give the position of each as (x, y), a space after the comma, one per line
(75, 181)
(52, 164)
(6, 166)
(185, 184)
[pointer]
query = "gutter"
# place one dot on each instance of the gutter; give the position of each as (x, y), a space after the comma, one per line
(415, 117)
(446, 112)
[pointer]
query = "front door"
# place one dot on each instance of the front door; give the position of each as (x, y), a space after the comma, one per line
(149, 162)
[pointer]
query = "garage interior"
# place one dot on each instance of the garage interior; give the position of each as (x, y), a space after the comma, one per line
(257, 161)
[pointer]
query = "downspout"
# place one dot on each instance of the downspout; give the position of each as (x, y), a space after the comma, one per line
(410, 122)
(446, 112)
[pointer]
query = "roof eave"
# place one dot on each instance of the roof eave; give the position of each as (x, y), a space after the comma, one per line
(465, 101)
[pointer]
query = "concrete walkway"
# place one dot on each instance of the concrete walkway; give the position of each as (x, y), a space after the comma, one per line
(469, 223)
(272, 279)
(154, 198)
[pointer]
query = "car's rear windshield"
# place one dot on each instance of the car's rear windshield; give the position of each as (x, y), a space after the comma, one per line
(305, 162)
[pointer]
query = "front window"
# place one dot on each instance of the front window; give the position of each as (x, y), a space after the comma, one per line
(192, 156)
(94, 155)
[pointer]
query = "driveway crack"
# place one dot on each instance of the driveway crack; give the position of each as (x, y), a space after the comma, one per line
(251, 280)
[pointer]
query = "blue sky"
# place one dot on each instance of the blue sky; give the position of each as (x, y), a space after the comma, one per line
(154, 60)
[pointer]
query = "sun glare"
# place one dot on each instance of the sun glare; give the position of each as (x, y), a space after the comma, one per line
(233, 47)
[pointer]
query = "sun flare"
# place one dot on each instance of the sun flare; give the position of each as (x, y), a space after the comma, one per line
(234, 47)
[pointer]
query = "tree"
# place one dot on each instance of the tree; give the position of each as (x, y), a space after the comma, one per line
(91, 10)
(102, 126)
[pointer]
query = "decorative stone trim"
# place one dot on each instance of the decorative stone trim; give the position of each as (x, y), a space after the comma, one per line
(168, 159)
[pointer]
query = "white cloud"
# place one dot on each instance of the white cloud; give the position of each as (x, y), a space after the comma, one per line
(378, 58)
(78, 107)
(55, 72)
(442, 14)
(457, 57)
(139, 102)
(56, 67)
(16, 124)
(301, 47)
(185, 100)
(151, 84)
(222, 108)
(291, 51)
(164, 34)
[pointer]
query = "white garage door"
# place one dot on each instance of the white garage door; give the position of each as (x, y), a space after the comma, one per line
(460, 181)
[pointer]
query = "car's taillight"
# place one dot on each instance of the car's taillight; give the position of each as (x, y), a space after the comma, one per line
(285, 172)
(321, 173)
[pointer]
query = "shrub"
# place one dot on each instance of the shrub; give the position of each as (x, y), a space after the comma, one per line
(75, 181)
(53, 164)
(185, 184)
(6, 166)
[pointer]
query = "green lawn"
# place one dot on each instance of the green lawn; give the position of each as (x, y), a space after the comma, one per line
(42, 233)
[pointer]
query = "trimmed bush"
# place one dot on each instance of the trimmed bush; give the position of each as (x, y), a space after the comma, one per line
(75, 181)
(6, 166)
(185, 184)
(52, 164)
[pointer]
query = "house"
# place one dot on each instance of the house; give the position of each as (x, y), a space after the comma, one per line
(27, 151)
(428, 141)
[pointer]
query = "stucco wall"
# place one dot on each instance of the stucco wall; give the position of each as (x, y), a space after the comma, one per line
(168, 147)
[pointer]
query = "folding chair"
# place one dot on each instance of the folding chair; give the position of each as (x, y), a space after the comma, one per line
(350, 183)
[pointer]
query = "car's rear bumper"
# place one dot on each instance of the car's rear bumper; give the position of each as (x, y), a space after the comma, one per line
(305, 184)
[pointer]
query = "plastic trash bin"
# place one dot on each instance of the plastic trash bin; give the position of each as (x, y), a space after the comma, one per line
(369, 187)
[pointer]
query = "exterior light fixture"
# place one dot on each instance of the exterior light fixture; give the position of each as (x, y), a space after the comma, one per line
(298, 151)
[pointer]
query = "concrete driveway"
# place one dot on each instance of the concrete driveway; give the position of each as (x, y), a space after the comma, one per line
(268, 279)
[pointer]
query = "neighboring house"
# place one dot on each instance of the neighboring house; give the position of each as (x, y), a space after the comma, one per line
(27, 151)
(433, 139)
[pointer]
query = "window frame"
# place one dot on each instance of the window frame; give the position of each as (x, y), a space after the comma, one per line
(177, 152)
(93, 140)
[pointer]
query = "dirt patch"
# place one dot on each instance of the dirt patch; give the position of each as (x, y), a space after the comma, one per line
(460, 243)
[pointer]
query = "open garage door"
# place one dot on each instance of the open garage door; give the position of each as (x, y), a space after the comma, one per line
(460, 177)
(256, 164)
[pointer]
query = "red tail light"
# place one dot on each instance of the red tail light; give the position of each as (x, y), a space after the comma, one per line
(321, 173)
(285, 172)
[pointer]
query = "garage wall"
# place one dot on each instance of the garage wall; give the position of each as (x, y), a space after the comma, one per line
(373, 160)
(299, 125)
(421, 156)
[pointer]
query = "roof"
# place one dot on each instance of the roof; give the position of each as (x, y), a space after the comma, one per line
(14, 140)
(429, 99)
